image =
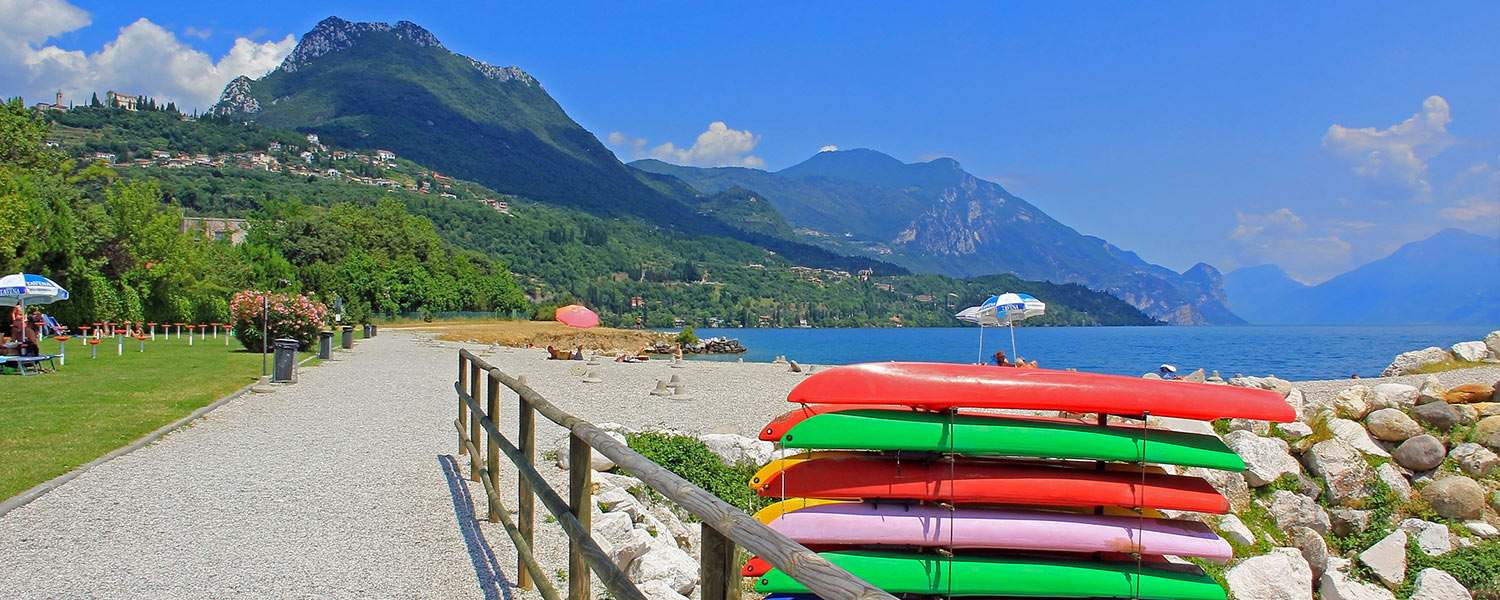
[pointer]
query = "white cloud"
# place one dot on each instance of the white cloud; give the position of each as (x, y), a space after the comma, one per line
(1399, 153)
(829, 148)
(144, 59)
(1471, 209)
(201, 34)
(719, 146)
(1309, 252)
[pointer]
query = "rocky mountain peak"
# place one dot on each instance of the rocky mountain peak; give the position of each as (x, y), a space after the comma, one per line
(415, 34)
(236, 99)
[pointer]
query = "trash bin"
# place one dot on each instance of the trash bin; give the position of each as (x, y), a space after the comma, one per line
(374, 330)
(348, 337)
(325, 344)
(284, 367)
(365, 333)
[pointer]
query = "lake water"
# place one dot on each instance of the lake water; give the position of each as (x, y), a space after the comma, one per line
(1290, 352)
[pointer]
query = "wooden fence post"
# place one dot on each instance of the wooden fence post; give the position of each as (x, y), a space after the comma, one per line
(463, 408)
(492, 449)
(580, 471)
(525, 505)
(474, 428)
(721, 580)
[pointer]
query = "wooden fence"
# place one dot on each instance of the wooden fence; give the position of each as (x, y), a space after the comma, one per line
(724, 526)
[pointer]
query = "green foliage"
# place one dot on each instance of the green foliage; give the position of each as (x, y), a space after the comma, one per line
(281, 316)
(1477, 567)
(686, 336)
(691, 460)
(1382, 504)
(1447, 365)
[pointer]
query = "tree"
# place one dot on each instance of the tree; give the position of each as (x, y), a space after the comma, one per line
(95, 101)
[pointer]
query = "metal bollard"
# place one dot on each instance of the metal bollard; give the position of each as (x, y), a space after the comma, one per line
(348, 341)
(325, 344)
(374, 330)
(285, 361)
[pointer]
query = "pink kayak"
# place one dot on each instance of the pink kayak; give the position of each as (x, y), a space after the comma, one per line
(889, 523)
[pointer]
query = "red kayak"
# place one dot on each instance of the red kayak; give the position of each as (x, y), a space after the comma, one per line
(939, 386)
(985, 481)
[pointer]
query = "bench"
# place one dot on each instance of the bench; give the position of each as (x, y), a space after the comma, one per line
(21, 363)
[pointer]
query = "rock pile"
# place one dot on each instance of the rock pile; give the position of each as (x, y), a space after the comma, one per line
(713, 345)
(1474, 351)
(1361, 477)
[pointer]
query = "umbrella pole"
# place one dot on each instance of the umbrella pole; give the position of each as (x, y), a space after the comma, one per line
(981, 346)
(1015, 358)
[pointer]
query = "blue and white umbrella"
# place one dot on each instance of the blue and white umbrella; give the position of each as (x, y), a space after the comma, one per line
(1004, 309)
(21, 289)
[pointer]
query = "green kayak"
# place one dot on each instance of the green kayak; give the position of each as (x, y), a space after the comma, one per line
(978, 435)
(899, 573)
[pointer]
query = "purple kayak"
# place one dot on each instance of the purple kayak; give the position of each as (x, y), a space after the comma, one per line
(865, 523)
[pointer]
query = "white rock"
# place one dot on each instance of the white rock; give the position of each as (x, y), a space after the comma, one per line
(1266, 459)
(1481, 529)
(1393, 395)
(1298, 402)
(674, 567)
(1229, 483)
(1436, 584)
(1392, 425)
(1431, 537)
(1432, 390)
(1492, 341)
(1335, 585)
(657, 589)
(1474, 460)
(1387, 559)
(1184, 425)
(1295, 430)
(1250, 425)
(1291, 509)
(1395, 480)
(608, 481)
(1273, 383)
(1342, 468)
(1357, 436)
(1235, 530)
(1351, 403)
(617, 500)
(735, 449)
(675, 527)
(1470, 351)
(1407, 362)
(612, 530)
(636, 544)
(597, 461)
(1281, 574)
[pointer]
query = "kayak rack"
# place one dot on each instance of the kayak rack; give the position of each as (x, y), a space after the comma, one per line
(724, 526)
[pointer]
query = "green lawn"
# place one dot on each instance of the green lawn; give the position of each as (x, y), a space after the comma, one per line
(53, 422)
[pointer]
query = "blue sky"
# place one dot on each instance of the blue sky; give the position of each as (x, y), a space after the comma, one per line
(1318, 136)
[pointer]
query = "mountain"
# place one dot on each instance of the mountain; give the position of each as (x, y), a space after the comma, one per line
(1446, 278)
(396, 88)
(934, 216)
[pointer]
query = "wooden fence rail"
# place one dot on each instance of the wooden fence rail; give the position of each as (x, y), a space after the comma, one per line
(724, 526)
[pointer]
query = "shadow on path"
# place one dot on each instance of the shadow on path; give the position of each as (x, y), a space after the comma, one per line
(486, 568)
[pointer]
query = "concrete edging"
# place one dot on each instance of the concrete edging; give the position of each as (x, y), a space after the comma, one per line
(41, 489)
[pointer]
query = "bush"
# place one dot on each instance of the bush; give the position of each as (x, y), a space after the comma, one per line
(686, 336)
(291, 316)
(693, 461)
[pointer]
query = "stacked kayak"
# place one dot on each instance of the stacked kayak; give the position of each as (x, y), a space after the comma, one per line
(912, 483)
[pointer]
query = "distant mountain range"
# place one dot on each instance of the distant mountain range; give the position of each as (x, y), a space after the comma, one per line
(1450, 277)
(934, 216)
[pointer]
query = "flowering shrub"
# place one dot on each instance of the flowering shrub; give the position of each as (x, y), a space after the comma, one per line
(291, 316)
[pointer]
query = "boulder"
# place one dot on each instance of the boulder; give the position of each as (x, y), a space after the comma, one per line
(1481, 529)
(1342, 468)
(1436, 415)
(1393, 478)
(1469, 351)
(1352, 402)
(1229, 483)
(1421, 453)
(1313, 548)
(1295, 399)
(1387, 559)
(1291, 509)
(1467, 414)
(1251, 425)
(1431, 537)
(625, 551)
(1431, 390)
(1295, 430)
(674, 526)
(1196, 377)
(677, 569)
(1407, 362)
(1273, 383)
(1474, 460)
(1357, 436)
(1486, 409)
(1266, 459)
(1281, 574)
(1456, 497)
(735, 449)
(597, 461)
(1468, 392)
(1349, 521)
(1487, 432)
(658, 589)
(1335, 585)
(620, 501)
(1492, 341)
(1392, 425)
(607, 481)
(1436, 584)
(1235, 530)
(1393, 395)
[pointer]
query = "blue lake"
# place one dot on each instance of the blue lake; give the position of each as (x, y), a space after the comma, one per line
(1291, 352)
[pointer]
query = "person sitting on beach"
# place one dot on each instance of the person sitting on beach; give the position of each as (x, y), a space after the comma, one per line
(1167, 372)
(577, 354)
(677, 351)
(1022, 363)
(21, 334)
(556, 354)
(1000, 360)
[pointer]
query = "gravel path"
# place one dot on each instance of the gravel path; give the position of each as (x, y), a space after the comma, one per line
(336, 487)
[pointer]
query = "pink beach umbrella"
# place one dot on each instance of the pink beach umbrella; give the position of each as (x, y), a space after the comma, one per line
(575, 315)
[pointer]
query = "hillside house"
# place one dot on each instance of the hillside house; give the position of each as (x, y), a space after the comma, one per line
(217, 228)
(274, 147)
(119, 100)
(385, 155)
(104, 156)
(312, 139)
(58, 106)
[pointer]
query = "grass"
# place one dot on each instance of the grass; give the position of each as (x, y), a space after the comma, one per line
(1447, 365)
(54, 422)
